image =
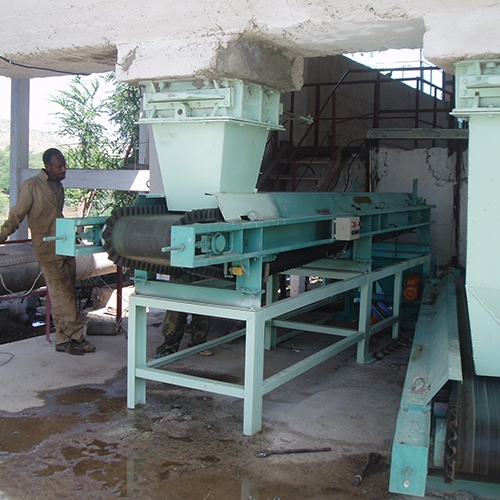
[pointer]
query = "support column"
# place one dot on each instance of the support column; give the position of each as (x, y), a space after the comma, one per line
(365, 312)
(137, 346)
(19, 142)
(396, 302)
(254, 375)
(478, 101)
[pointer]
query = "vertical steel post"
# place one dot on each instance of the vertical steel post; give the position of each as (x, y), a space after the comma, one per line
(365, 312)
(317, 113)
(272, 295)
(137, 339)
(334, 127)
(396, 302)
(376, 103)
(119, 291)
(254, 375)
(47, 315)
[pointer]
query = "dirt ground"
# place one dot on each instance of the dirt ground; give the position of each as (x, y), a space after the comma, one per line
(185, 444)
(165, 450)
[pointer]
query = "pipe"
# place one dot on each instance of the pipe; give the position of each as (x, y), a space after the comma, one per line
(20, 271)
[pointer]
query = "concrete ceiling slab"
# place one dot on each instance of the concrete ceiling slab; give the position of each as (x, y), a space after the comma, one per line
(83, 36)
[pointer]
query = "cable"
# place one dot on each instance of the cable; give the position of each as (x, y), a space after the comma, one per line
(353, 157)
(8, 354)
(10, 61)
(20, 294)
(349, 165)
(113, 289)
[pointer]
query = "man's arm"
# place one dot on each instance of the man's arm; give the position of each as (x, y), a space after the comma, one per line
(17, 212)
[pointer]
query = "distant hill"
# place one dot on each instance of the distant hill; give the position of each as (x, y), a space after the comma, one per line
(39, 141)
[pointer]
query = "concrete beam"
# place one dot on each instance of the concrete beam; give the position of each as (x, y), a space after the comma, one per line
(120, 180)
(461, 34)
(210, 57)
(41, 34)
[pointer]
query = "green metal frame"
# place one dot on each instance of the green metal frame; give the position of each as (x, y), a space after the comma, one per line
(290, 221)
(71, 232)
(435, 359)
(260, 322)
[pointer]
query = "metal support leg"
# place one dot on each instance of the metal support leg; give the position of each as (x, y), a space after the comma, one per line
(271, 297)
(396, 302)
(137, 342)
(365, 312)
(254, 375)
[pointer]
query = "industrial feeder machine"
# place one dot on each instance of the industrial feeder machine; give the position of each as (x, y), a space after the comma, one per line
(210, 137)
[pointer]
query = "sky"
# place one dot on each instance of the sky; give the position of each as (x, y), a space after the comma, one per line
(41, 90)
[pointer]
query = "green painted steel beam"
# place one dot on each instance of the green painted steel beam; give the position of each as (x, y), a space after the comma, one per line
(69, 234)
(410, 452)
(222, 297)
(291, 303)
(192, 306)
(294, 333)
(300, 367)
(178, 297)
(191, 382)
(185, 353)
(434, 359)
(314, 328)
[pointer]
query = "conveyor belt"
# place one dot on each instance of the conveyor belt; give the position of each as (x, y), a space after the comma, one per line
(477, 447)
(134, 236)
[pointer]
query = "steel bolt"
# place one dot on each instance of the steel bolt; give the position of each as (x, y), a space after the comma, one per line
(408, 472)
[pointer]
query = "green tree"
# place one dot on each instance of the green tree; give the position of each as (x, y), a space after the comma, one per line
(84, 115)
(123, 108)
(5, 170)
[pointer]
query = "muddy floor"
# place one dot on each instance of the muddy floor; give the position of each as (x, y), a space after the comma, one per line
(186, 444)
(85, 444)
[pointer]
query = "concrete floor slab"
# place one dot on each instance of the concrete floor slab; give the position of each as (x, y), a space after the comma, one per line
(30, 367)
(189, 444)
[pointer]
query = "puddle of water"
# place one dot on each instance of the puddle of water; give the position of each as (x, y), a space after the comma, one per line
(96, 447)
(80, 395)
(21, 434)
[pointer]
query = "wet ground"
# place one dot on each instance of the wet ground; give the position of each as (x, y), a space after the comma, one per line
(86, 444)
(186, 444)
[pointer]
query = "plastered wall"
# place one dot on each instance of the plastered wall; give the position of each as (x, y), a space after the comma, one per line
(441, 182)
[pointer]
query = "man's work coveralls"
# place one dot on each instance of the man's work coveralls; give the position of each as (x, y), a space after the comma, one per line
(42, 201)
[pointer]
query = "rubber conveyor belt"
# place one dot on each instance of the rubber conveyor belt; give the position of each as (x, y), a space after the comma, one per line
(476, 449)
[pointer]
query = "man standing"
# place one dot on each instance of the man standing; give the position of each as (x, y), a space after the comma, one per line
(41, 198)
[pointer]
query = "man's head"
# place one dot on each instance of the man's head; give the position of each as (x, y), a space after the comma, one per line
(55, 164)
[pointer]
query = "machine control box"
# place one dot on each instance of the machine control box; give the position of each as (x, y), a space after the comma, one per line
(346, 228)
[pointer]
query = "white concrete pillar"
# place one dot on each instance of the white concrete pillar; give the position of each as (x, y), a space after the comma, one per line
(19, 142)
